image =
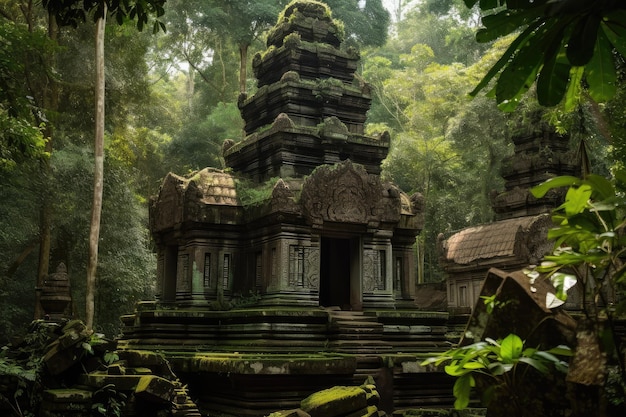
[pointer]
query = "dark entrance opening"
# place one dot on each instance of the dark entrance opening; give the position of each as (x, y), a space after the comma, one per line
(335, 273)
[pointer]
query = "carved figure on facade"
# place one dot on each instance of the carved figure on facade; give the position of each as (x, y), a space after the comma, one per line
(346, 193)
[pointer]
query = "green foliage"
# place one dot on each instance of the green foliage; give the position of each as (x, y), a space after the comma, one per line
(434, 157)
(558, 45)
(198, 144)
(449, 35)
(500, 361)
(589, 254)
(22, 365)
(73, 12)
(590, 238)
(108, 402)
(21, 116)
(364, 26)
(250, 193)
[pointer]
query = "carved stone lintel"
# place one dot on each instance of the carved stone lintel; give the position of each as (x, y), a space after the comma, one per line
(346, 193)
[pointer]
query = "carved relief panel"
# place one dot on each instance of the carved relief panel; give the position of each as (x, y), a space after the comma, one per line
(374, 270)
(303, 267)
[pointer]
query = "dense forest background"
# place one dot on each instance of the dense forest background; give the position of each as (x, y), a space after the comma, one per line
(171, 102)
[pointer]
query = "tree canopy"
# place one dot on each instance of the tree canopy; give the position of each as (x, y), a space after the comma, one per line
(73, 12)
(559, 45)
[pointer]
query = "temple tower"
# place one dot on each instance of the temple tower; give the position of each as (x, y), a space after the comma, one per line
(326, 231)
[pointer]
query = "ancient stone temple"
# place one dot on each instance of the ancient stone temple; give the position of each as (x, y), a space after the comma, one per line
(292, 270)
(327, 232)
(518, 237)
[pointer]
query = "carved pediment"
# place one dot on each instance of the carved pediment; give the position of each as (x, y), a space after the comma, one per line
(192, 198)
(166, 207)
(346, 193)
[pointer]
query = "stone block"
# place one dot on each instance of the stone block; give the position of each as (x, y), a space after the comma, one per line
(155, 389)
(336, 401)
(297, 412)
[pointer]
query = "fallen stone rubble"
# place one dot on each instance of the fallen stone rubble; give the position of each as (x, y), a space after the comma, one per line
(64, 370)
(340, 401)
(361, 401)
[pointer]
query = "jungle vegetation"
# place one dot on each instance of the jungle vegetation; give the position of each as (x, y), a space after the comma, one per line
(171, 102)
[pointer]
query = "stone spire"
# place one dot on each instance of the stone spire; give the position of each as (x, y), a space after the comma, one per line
(310, 109)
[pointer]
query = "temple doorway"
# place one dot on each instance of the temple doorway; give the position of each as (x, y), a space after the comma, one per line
(339, 273)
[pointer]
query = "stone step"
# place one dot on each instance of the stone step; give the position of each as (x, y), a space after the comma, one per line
(360, 346)
(357, 323)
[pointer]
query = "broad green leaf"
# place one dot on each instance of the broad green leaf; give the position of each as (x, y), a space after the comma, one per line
(455, 370)
(461, 390)
(574, 88)
(546, 356)
(488, 4)
(556, 182)
(602, 188)
(561, 350)
(497, 368)
(580, 48)
(614, 27)
(511, 348)
(552, 82)
(538, 365)
(601, 74)
(585, 222)
(508, 106)
(504, 59)
(474, 365)
(520, 73)
(501, 24)
(576, 199)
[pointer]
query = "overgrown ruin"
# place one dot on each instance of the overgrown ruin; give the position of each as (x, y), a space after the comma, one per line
(293, 270)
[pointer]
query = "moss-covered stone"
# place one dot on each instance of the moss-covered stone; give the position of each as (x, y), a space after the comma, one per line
(67, 395)
(155, 389)
(335, 401)
(290, 413)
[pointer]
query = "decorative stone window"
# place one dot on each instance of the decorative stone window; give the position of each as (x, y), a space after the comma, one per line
(226, 271)
(381, 277)
(258, 269)
(398, 270)
(463, 300)
(296, 266)
(207, 270)
(273, 265)
(160, 274)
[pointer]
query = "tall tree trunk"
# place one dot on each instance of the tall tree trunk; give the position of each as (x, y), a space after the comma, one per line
(243, 65)
(96, 208)
(51, 104)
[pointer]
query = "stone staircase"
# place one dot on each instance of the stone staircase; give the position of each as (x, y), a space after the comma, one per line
(355, 332)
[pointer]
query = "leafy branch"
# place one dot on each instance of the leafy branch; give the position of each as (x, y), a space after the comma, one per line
(497, 360)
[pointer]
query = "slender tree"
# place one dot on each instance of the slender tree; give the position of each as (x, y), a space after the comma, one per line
(98, 178)
(71, 13)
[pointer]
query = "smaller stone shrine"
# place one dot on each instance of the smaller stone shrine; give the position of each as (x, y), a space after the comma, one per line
(518, 237)
(56, 297)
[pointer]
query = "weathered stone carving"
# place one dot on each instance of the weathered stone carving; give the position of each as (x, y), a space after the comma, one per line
(346, 193)
(372, 271)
